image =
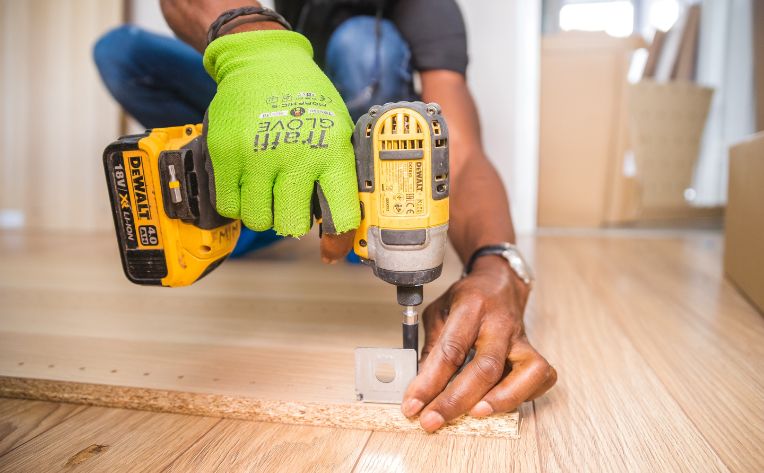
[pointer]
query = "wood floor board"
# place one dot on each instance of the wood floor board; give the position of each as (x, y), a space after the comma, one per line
(21, 421)
(100, 439)
(397, 452)
(701, 360)
(659, 358)
(610, 411)
(241, 446)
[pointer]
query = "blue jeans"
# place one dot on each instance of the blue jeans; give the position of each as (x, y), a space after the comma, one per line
(161, 81)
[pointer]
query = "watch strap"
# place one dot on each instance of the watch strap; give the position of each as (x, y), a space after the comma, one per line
(230, 15)
(507, 251)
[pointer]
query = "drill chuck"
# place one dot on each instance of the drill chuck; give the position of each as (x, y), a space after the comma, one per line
(409, 295)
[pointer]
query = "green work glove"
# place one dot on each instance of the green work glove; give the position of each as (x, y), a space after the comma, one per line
(276, 130)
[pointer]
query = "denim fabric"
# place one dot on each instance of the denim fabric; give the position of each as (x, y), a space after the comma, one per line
(368, 71)
(161, 81)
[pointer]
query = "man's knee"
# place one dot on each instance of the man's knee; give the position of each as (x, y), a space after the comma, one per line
(353, 61)
(115, 55)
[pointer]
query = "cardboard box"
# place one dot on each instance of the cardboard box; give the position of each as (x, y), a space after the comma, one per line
(744, 226)
(667, 122)
(583, 128)
(758, 61)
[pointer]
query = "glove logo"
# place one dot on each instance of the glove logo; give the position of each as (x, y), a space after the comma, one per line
(308, 131)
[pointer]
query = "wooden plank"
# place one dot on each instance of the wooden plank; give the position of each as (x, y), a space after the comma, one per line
(695, 331)
(21, 421)
(388, 452)
(609, 411)
(653, 53)
(101, 439)
(688, 51)
(275, 334)
(234, 446)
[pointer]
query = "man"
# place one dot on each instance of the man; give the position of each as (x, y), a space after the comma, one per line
(368, 49)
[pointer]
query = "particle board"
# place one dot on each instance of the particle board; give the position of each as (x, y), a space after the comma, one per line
(269, 338)
(347, 416)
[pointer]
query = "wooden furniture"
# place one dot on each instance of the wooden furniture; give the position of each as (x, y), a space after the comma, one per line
(268, 340)
(659, 360)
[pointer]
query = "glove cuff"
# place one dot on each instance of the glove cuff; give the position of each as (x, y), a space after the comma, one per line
(241, 50)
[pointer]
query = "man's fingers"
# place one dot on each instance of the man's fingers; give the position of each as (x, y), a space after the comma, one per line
(292, 197)
(433, 319)
(335, 247)
(337, 193)
(477, 378)
(256, 202)
(551, 380)
(531, 376)
(447, 355)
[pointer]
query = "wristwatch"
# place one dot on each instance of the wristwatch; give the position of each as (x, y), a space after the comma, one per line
(510, 253)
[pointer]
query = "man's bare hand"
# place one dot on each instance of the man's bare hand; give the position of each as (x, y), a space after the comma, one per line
(484, 310)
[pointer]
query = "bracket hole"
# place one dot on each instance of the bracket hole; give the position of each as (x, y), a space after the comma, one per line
(384, 372)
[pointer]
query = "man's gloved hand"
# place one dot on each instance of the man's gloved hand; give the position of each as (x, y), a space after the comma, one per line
(276, 127)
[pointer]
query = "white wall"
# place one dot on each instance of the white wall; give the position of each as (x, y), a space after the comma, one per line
(55, 115)
(725, 62)
(504, 46)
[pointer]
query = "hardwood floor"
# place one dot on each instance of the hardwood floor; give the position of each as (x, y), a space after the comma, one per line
(660, 361)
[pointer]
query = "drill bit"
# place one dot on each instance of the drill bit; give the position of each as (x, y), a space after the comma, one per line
(410, 328)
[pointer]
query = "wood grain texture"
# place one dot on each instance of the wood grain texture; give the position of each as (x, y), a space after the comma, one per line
(624, 363)
(394, 452)
(270, 339)
(659, 357)
(101, 439)
(21, 421)
(239, 446)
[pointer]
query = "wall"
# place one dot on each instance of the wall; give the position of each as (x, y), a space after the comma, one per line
(504, 47)
(55, 116)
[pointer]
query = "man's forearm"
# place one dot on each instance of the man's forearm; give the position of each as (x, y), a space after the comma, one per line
(190, 19)
(479, 205)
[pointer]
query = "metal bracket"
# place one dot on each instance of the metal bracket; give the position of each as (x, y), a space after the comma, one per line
(383, 374)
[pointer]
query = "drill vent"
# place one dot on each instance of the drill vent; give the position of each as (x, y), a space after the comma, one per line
(401, 131)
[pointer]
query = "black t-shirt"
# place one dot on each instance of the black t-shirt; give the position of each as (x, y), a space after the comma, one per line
(434, 29)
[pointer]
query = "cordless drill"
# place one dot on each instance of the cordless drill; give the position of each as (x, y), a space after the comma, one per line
(170, 234)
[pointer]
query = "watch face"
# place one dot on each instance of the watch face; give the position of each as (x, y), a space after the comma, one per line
(518, 265)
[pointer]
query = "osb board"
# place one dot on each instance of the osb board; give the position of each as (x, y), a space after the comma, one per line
(270, 337)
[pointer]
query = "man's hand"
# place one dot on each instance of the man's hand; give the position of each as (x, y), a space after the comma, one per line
(278, 129)
(484, 310)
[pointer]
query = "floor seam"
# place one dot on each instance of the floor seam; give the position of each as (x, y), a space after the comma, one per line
(191, 445)
(620, 324)
(536, 432)
(73, 414)
(365, 444)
